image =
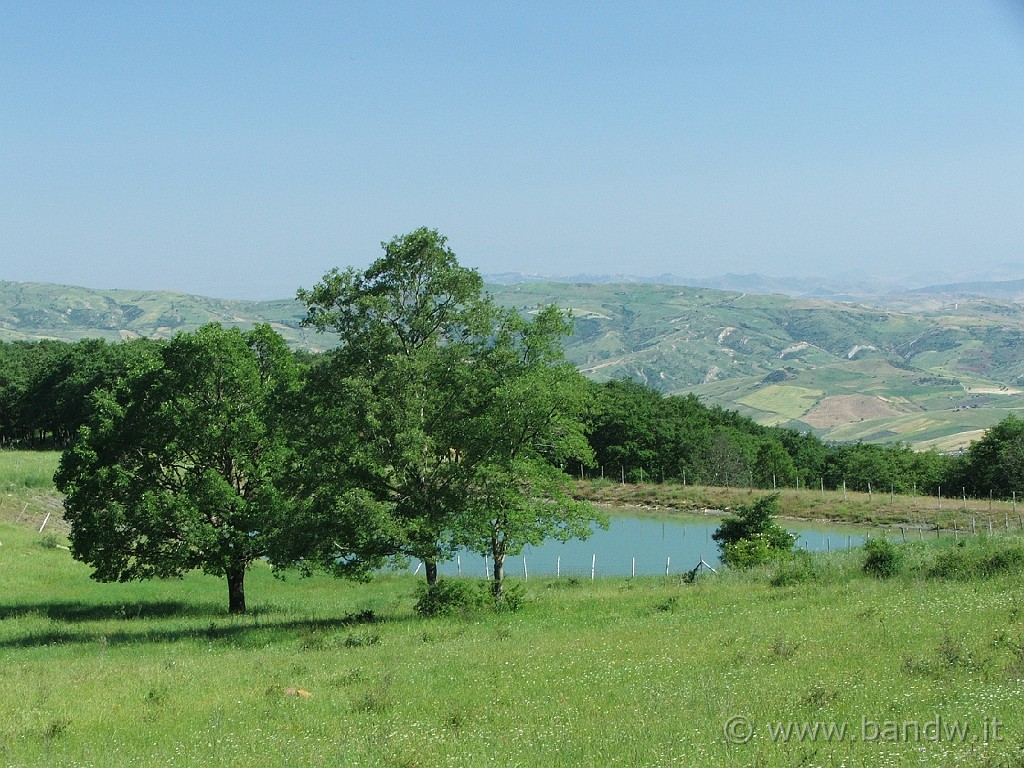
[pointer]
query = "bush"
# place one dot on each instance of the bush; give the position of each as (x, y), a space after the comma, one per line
(956, 563)
(1007, 560)
(750, 553)
(801, 567)
(448, 596)
(511, 597)
(978, 559)
(751, 537)
(882, 558)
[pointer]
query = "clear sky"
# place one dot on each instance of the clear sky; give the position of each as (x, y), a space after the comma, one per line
(241, 149)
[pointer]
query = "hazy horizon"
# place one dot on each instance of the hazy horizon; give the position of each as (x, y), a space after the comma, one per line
(853, 281)
(241, 151)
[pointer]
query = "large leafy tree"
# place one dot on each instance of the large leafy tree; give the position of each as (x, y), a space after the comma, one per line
(423, 393)
(45, 385)
(181, 465)
(342, 522)
(20, 362)
(626, 426)
(523, 420)
(56, 402)
(773, 465)
(405, 327)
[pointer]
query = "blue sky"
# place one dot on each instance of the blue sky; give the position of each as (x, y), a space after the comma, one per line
(241, 149)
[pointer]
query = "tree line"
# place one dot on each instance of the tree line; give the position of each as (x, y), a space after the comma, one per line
(440, 421)
(634, 433)
(639, 435)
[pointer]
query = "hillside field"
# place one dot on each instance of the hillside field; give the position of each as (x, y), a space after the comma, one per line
(933, 376)
(934, 372)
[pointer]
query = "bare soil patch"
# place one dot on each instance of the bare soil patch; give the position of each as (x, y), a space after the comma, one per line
(836, 410)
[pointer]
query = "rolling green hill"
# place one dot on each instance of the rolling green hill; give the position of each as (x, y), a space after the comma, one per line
(31, 311)
(936, 376)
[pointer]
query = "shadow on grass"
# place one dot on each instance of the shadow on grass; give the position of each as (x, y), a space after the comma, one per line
(74, 611)
(143, 627)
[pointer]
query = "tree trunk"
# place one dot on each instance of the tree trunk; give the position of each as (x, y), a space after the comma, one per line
(236, 589)
(497, 588)
(430, 568)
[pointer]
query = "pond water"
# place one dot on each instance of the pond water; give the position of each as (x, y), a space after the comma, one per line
(644, 544)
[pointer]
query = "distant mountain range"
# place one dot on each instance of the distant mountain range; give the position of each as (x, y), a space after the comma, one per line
(1003, 281)
(932, 366)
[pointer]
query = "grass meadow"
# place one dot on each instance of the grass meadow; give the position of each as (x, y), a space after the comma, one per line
(813, 664)
(901, 515)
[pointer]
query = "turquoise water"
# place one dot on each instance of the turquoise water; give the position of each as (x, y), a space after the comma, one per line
(645, 545)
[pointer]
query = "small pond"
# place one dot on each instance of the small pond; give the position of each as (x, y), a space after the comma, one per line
(644, 544)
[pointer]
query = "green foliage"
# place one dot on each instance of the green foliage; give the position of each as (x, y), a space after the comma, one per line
(452, 414)
(510, 598)
(446, 597)
(638, 434)
(45, 387)
(801, 567)
(748, 553)
(996, 462)
(883, 558)
(883, 468)
(751, 536)
(636, 431)
(980, 558)
(525, 421)
(181, 465)
(389, 402)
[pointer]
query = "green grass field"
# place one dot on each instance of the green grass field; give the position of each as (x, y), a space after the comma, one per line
(27, 494)
(614, 672)
(644, 672)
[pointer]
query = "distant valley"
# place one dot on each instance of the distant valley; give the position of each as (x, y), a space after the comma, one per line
(931, 366)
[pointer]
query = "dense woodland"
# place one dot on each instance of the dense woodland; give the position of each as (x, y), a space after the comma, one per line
(636, 433)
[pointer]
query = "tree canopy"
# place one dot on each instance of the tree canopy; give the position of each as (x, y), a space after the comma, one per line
(460, 407)
(996, 462)
(179, 466)
(524, 416)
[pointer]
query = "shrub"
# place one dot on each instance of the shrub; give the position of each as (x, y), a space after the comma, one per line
(953, 563)
(882, 558)
(750, 553)
(801, 567)
(1006, 560)
(982, 558)
(752, 537)
(446, 597)
(511, 597)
